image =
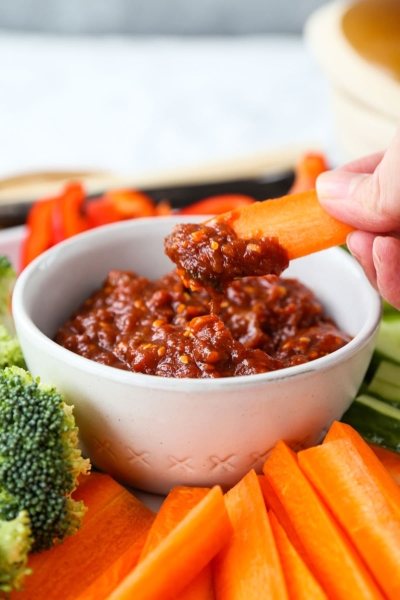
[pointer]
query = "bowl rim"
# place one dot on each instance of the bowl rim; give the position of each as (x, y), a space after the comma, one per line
(186, 385)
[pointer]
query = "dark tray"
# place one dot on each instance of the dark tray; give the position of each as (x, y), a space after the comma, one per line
(180, 196)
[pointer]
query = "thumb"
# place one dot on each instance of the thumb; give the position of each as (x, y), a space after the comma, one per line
(370, 202)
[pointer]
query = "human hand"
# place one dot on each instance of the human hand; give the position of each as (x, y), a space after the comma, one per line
(366, 194)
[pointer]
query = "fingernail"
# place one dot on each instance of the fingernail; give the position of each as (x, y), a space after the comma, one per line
(338, 185)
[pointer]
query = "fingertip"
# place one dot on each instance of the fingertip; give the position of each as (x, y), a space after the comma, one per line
(355, 243)
(360, 244)
(379, 248)
(339, 194)
(386, 258)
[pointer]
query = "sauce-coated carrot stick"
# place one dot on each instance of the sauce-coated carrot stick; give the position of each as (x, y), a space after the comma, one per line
(175, 507)
(341, 477)
(301, 584)
(248, 567)
(297, 221)
(181, 555)
(336, 563)
(382, 478)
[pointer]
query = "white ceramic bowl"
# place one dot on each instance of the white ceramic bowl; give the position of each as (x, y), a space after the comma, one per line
(365, 97)
(153, 432)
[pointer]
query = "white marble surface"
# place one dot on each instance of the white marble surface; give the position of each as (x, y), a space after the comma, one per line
(135, 104)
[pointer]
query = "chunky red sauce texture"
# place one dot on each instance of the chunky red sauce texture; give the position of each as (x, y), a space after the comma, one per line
(211, 257)
(161, 328)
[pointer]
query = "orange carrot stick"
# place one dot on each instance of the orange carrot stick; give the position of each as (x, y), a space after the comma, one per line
(306, 172)
(382, 478)
(301, 584)
(249, 562)
(163, 208)
(336, 563)
(298, 221)
(68, 569)
(96, 490)
(96, 493)
(273, 503)
(341, 477)
(179, 502)
(175, 507)
(116, 572)
(389, 459)
(200, 588)
(181, 555)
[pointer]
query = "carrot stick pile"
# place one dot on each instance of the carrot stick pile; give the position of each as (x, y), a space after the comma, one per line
(321, 524)
(115, 523)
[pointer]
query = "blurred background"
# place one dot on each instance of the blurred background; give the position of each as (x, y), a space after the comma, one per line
(136, 85)
(130, 86)
(160, 17)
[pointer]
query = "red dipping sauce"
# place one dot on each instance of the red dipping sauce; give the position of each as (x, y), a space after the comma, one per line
(161, 328)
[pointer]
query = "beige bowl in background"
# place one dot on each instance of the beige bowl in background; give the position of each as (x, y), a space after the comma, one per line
(352, 44)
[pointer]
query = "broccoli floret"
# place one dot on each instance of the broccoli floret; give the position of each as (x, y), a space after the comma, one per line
(39, 459)
(15, 544)
(7, 280)
(10, 350)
